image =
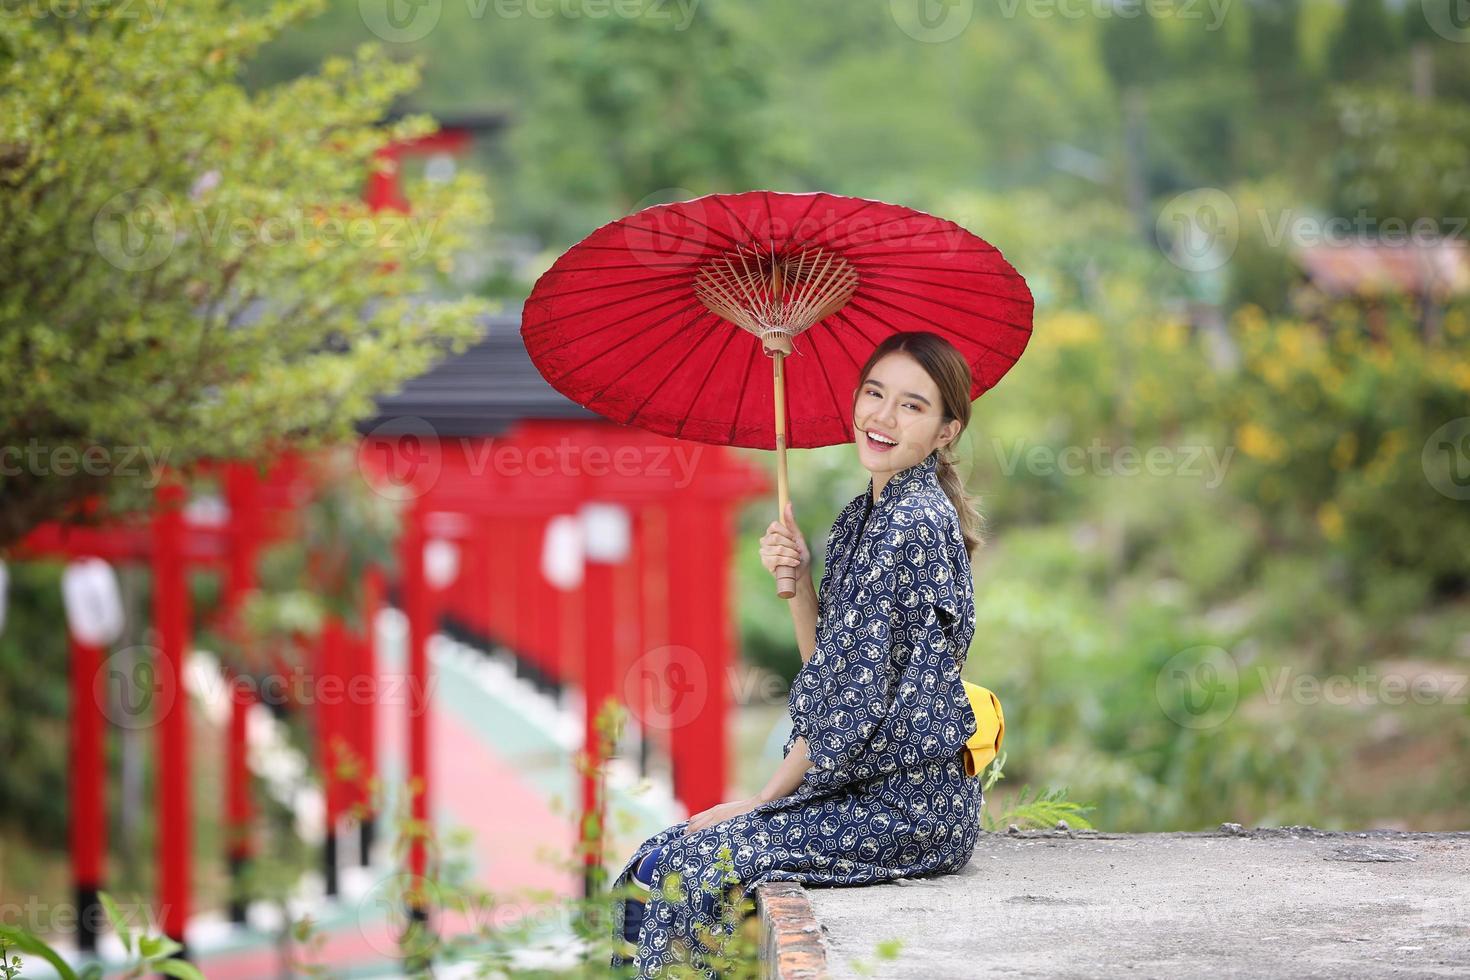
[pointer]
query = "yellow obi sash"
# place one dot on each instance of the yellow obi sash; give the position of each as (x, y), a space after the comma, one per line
(990, 729)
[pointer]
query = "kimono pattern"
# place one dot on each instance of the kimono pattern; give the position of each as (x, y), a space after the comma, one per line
(885, 715)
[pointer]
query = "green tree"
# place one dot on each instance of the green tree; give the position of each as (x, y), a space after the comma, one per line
(1365, 39)
(627, 107)
(189, 269)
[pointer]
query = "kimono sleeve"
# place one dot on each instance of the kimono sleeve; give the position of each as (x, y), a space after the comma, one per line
(858, 682)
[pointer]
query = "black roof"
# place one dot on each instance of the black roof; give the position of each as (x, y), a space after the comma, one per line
(481, 392)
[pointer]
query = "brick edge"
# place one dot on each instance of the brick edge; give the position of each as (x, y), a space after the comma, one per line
(791, 936)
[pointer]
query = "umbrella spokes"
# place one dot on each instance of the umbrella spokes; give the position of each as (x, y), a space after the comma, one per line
(775, 293)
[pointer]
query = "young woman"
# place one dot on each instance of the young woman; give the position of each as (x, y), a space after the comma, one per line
(872, 786)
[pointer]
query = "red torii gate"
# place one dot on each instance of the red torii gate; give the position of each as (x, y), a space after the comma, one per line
(170, 545)
(668, 595)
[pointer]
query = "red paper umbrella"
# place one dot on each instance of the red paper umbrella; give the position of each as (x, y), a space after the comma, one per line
(662, 319)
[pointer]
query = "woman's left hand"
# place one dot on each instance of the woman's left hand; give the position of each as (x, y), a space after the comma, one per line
(722, 811)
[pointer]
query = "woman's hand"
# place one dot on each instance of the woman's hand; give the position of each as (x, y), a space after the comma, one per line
(783, 545)
(722, 811)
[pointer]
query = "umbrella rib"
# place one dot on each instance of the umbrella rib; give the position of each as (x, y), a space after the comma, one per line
(756, 351)
(916, 251)
(812, 238)
(878, 282)
(604, 389)
(615, 323)
(933, 323)
(597, 330)
(948, 306)
(837, 410)
(688, 352)
(750, 234)
(885, 271)
(676, 281)
(624, 249)
(714, 362)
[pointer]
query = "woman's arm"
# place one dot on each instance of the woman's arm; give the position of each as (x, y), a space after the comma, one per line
(803, 608)
(788, 774)
(783, 546)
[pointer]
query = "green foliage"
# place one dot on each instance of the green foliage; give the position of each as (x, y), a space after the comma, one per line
(147, 953)
(630, 107)
(190, 269)
(33, 690)
(1366, 37)
(1400, 158)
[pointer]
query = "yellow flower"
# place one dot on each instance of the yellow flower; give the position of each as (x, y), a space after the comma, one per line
(1460, 375)
(1172, 335)
(1259, 442)
(1345, 450)
(1329, 519)
(1071, 328)
(1275, 373)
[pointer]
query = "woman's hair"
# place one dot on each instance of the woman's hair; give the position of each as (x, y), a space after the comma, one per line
(951, 373)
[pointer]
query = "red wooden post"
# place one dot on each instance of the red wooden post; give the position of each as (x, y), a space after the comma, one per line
(418, 607)
(171, 621)
(607, 537)
(600, 609)
(330, 694)
(88, 830)
(243, 489)
(366, 715)
(699, 624)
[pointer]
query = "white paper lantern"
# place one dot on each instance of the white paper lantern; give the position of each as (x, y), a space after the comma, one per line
(561, 552)
(607, 532)
(94, 611)
(441, 562)
(4, 593)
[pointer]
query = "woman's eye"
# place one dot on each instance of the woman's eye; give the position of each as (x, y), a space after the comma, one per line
(910, 405)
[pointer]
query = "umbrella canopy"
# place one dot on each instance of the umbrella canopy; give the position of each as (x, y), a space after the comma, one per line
(662, 319)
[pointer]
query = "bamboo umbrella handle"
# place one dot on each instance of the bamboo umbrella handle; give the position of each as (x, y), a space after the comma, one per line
(785, 574)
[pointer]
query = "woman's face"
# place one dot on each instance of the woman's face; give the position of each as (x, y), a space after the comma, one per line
(899, 403)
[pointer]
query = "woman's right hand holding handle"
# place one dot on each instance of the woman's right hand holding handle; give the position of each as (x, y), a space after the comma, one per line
(784, 550)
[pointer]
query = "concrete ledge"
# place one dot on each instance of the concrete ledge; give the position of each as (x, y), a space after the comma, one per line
(791, 938)
(1268, 902)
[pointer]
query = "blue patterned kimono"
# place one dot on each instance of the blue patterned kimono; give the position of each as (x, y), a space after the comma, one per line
(885, 716)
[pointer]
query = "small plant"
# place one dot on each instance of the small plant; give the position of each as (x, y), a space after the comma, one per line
(147, 953)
